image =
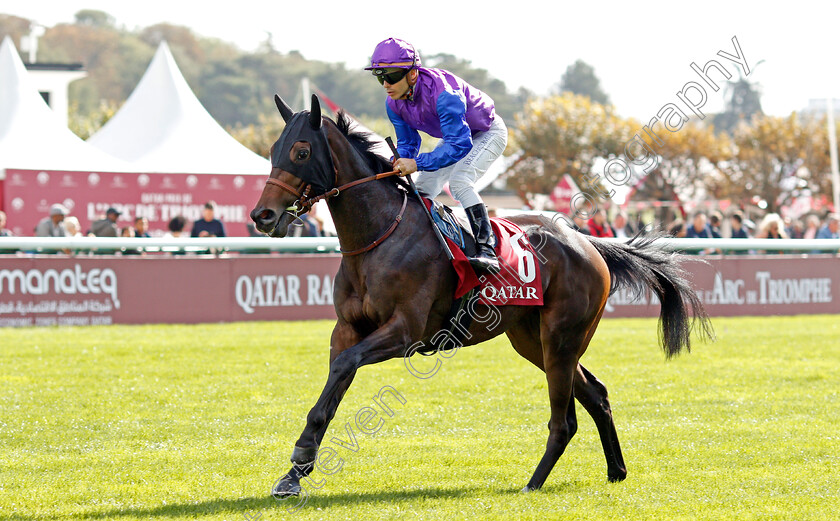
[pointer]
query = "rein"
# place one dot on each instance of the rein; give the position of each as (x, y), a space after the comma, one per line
(304, 203)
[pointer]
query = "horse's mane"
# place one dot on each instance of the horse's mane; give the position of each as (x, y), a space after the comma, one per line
(362, 142)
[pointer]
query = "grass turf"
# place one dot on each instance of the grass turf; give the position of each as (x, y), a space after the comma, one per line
(186, 422)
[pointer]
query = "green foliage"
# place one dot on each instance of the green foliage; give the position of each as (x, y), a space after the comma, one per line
(580, 78)
(87, 125)
(771, 152)
(260, 136)
(507, 105)
(236, 87)
(94, 18)
(196, 422)
(564, 135)
(14, 27)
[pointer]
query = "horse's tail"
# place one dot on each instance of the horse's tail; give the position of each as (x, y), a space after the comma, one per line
(640, 265)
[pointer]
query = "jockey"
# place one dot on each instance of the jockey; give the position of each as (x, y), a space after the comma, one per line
(444, 106)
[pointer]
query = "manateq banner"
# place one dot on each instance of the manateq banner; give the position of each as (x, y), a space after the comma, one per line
(85, 290)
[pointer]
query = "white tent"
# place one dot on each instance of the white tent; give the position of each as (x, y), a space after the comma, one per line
(162, 127)
(32, 136)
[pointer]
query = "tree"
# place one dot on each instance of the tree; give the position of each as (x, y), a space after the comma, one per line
(507, 104)
(687, 158)
(14, 27)
(773, 157)
(580, 78)
(564, 135)
(94, 18)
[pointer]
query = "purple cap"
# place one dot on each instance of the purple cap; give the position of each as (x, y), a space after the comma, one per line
(394, 53)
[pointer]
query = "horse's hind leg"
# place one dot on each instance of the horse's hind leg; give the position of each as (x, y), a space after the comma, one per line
(560, 354)
(592, 394)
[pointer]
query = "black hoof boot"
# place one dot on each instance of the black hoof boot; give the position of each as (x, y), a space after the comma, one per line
(287, 486)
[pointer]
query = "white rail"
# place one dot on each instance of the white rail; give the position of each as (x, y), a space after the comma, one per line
(330, 244)
(188, 244)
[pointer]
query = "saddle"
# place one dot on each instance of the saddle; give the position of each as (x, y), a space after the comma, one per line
(518, 283)
(452, 227)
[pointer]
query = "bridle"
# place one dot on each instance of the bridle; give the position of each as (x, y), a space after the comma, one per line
(304, 203)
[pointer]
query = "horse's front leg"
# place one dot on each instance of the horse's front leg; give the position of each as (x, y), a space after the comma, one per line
(389, 341)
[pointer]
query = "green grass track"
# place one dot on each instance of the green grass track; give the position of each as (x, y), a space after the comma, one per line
(196, 422)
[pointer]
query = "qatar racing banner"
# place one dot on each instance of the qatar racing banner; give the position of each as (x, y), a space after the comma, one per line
(28, 194)
(65, 290)
(62, 290)
(741, 285)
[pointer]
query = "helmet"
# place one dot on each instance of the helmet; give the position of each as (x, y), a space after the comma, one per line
(394, 53)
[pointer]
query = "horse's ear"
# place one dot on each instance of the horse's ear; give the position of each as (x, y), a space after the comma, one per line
(315, 113)
(284, 109)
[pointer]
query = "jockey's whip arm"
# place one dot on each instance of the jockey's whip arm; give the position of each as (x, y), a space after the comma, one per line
(438, 234)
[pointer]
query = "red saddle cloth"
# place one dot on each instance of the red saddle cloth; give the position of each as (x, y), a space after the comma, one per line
(518, 282)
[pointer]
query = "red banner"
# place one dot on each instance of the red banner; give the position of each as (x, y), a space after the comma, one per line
(28, 194)
(64, 290)
(740, 285)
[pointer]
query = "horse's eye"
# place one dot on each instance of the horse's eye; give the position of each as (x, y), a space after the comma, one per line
(302, 154)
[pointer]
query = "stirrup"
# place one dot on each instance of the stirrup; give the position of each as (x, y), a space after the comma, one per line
(486, 264)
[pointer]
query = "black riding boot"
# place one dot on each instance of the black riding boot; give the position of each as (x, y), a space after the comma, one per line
(485, 258)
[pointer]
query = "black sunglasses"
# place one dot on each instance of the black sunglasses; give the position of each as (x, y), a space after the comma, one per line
(391, 78)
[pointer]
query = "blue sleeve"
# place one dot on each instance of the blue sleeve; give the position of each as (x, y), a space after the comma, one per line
(408, 139)
(457, 137)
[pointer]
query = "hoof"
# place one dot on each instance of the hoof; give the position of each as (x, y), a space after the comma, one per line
(615, 477)
(527, 489)
(304, 455)
(285, 487)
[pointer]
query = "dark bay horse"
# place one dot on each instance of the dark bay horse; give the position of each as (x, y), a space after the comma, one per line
(395, 285)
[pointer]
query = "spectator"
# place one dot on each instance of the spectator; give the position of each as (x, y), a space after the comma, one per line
(715, 221)
(581, 224)
(739, 231)
(812, 226)
(598, 226)
(53, 225)
(4, 232)
(699, 228)
(208, 225)
(830, 230)
(107, 226)
(141, 227)
(128, 231)
(677, 229)
(73, 227)
(771, 227)
(794, 228)
(620, 228)
(176, 226)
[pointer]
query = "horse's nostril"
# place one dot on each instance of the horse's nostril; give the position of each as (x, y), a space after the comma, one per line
(263, 215)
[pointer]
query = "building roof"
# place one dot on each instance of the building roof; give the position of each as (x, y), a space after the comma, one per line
(162, 127)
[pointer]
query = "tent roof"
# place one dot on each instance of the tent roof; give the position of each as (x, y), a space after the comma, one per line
(32, 137)
(162, 127)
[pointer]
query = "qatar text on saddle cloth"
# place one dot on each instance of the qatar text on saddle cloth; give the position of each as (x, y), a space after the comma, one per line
(518, 282)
